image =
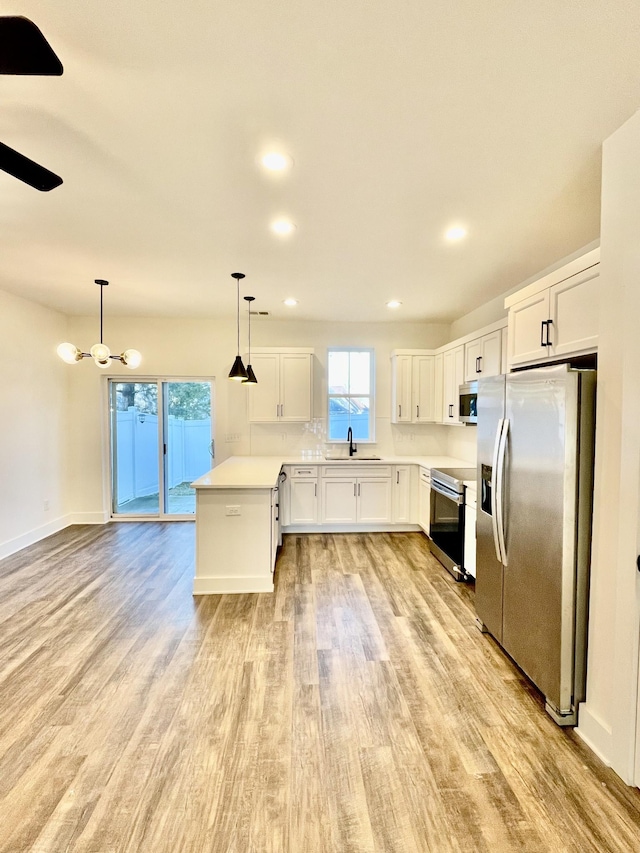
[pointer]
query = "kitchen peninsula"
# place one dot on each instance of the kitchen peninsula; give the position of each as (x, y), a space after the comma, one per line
(242, 505)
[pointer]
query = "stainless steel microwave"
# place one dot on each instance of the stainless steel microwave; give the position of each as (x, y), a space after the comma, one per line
(469, 403)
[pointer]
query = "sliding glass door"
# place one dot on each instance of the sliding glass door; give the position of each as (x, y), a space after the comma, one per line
(161, 440)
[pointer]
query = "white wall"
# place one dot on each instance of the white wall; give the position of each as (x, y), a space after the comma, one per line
(608, 719)
(33, 420)
(206, 348)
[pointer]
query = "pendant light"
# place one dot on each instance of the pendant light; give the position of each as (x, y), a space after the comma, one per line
(100, 353)
(251, 377)
(238, 371)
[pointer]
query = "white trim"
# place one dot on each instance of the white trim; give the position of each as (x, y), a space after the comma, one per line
(352, 528)
(11, 546)
(31, 537)
(232, 585)
(88, 518)
(594, 732)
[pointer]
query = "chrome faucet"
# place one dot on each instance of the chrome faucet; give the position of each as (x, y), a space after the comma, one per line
(352, 447)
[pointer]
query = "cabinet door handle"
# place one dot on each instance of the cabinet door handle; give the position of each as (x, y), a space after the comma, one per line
(548, 343)
(417, 411)
(398, 477)
(450, 410)
(543, 326)
(358, 489)
(354, 490)
(315, 490)
(399, 410)
(479, 364)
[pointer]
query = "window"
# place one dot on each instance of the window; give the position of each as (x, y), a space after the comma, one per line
(351, 394)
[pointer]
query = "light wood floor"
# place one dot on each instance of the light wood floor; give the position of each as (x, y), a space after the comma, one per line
(356, 709)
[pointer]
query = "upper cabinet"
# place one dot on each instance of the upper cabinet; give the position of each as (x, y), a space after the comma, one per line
(284, 392)
(556, 316)
(453, 378)
(412, 388)
(483, 356)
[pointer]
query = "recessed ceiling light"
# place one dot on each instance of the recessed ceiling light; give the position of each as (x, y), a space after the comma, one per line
(394, 304)
(456, 232)
(274, 161)
(290, 302)
(283, 227)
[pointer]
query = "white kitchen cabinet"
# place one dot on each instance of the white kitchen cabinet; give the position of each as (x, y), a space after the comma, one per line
(401, 411)
(555, 321)
(284, 389)
(423, 405)
(453, 378)
(483, 356)
(374, 500)
(424, 488)
(356, 499)
(339, 500)
(303, 501)
(412, 388)
(402, 495)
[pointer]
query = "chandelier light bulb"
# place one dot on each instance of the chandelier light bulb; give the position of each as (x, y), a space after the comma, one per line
(69, 353)
(100, 352)
(132, 358)
(102, 364)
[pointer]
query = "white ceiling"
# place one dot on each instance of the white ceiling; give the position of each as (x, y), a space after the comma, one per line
(402, 116)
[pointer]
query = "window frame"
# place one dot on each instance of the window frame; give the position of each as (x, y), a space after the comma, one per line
(371, 395)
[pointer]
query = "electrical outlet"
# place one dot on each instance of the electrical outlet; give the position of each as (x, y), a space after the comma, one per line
(230, 437)
(46, 506)
(233, 510)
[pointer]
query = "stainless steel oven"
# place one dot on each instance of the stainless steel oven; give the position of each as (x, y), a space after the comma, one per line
(448, 517)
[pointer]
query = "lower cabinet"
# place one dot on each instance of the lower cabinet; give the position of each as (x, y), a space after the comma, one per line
(346, 500)
(424, 498)
(303, 502)
(402, 513)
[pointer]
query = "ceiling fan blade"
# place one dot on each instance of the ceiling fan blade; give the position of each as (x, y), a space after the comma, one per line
(24, 50)
(27, 170)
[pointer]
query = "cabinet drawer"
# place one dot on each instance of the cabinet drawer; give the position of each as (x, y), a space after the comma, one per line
(425, 475)
(356, 471)
(304, 472)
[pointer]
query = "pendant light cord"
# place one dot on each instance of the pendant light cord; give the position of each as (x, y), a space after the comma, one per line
(238, 312)
(101, 292)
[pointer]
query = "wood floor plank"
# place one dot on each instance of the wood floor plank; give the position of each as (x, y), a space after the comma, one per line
(357, 709)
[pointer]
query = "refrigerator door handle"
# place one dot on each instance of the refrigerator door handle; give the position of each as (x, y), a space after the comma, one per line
(494, 490)
(502, 451)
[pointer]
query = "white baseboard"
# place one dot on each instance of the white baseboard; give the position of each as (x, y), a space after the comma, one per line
(32, 536)
(352, 528)
(225, 586)
(88, 517)
(594, 732)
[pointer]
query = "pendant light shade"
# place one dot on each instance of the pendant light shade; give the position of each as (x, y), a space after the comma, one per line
(100, 353)
(251, 377)
(238, 370)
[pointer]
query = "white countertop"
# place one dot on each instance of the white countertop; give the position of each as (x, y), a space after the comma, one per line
(242, 472)
(261, 472)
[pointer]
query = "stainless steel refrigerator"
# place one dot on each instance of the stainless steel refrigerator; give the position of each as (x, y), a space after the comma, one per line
(535, 484)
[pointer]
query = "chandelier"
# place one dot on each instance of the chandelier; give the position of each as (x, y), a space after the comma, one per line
(100, 353)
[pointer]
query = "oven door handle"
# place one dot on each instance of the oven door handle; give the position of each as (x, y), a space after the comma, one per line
(500, 478)
(447, 493)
